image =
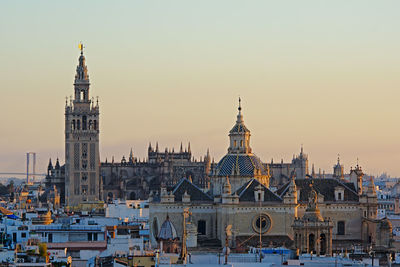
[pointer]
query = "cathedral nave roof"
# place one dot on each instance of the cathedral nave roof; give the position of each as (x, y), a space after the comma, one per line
(324, 186)
(195, 193)
(246, 192)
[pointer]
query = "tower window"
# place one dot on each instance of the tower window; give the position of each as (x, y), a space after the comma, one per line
(95, 125)
(82, 95)
(83, 122)
(73, 125)
(235, 143)
(241, 143)
(78, 124)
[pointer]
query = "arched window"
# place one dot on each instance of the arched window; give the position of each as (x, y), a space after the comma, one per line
(84, 125)
(95, 125)
(78, 124)
(340, 228)
(132, 196)
(234, 143)
(82, 95)
(201, 227)
(241, 143)
(90, 125)
(73, 125)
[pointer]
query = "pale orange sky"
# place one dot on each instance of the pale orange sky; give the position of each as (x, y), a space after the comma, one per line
(323, 74)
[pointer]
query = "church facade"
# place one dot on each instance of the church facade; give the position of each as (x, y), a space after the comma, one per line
(241, 209)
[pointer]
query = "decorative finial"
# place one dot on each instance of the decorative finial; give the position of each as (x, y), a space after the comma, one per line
(240, 106)
(81, 47)
(66, 101)
(97, 101)
(338, 159)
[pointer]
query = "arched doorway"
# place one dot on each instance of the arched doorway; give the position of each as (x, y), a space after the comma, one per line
(201, 227)
(311, 243)
(132, 196)
(322, 240)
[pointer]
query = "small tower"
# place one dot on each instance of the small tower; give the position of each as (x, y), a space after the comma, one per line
(338, 172)
(82, 175)
(291, 196)
(356, 177)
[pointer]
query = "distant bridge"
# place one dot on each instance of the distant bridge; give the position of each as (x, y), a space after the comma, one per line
(22, 174)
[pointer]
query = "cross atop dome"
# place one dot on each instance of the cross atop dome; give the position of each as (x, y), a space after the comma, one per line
(239, 116)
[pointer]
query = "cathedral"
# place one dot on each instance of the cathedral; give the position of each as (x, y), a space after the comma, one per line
(133, 178)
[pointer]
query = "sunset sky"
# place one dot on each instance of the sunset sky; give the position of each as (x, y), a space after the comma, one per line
(325, 74)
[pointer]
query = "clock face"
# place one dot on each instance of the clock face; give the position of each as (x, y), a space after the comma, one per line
(262, 223)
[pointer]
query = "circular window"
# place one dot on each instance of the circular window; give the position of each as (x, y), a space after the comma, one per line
(262, 223)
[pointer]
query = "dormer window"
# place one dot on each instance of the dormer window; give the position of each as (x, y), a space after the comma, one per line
(339, 193)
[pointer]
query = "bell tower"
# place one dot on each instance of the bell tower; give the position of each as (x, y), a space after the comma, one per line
(82, 174)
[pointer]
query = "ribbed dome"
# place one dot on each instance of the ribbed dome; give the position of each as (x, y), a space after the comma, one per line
(167, 230)
(241, 165)
(239, 128)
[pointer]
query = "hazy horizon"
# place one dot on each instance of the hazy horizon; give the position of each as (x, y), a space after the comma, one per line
(321, 74)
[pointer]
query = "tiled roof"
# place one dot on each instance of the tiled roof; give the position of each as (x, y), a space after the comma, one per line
(246, 192)
(167, 230)
(239, 128)
(323, 186)
(239, 164)
(196, 194)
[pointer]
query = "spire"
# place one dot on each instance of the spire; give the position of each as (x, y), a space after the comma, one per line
(150, 148)
(57, 166)
(50, 166)
(181, 149)
(189, 150)
(157, 146)
(239, 116)
(131, 156)
(81, 69)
